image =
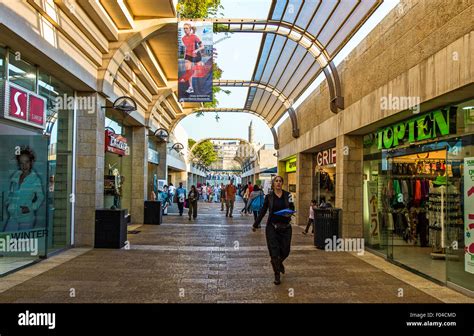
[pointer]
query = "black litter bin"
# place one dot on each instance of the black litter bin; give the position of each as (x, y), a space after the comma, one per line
(110, 228)
(326, 222)
(152, 213)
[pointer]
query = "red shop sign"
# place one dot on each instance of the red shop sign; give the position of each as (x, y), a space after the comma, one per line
(115, 143)
(24, 106)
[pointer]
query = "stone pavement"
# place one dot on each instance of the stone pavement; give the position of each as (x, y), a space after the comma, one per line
(212, 259)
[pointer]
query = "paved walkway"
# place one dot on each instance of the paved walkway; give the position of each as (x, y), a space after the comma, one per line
(212, 259)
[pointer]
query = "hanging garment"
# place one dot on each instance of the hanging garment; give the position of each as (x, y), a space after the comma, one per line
(397, 191)
(417, 197)
(406, 195)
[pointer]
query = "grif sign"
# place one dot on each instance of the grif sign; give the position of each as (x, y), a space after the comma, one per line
(326, 157)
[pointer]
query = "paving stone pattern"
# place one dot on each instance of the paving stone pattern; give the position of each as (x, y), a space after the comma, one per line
(213, 259)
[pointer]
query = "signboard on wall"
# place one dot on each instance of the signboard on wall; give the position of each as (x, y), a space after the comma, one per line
(195, 61)
(469, 214)
(116, 143)
(326, 157)
(24, 106)
(290, 165)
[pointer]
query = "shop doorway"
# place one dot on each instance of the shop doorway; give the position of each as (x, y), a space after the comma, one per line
(416, 200)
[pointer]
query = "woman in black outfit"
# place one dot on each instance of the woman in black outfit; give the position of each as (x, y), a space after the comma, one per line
(278, 231)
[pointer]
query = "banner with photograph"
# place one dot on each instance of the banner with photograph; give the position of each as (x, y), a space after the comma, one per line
(195, 58)
(23, 194)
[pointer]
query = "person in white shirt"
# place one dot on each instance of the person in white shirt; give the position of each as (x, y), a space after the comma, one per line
(311, 218)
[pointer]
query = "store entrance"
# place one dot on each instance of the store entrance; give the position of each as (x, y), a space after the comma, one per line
(415, 203)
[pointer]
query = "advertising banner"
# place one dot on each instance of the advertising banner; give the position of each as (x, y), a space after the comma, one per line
(469, 214)
(23, 175)
(195, 58)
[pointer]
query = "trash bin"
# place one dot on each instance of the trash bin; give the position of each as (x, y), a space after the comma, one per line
(152, 213)
(326, 225)
(110, 228)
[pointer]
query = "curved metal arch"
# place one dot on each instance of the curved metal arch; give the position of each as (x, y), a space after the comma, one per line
(111, 65)
(253, 84)
(238, 110)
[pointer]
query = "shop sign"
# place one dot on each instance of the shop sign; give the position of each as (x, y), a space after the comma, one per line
(469, 214)
(153, 156)
(428, 126)
(371, 204)
(24, 106)
(326, 157)
(115, 143)
(291, 165)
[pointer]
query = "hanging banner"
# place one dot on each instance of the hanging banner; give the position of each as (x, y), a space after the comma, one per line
(371, 212)
(469, 214)
(195, 60)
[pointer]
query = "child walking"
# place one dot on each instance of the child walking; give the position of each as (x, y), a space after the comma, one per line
(311, 218)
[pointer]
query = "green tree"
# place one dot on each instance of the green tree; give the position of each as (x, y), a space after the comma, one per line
(191, 143)
(202, 9)
(205, 152)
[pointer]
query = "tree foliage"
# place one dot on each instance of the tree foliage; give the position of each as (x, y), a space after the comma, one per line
(202, 9)
(205, 152)
(191, 143)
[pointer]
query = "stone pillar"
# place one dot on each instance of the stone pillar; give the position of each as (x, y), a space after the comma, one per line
(162, 166)
(304, 187)
(90, 154)
(349, 181)
(139, 156)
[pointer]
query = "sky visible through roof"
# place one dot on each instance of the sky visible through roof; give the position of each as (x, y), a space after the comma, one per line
(237, 57)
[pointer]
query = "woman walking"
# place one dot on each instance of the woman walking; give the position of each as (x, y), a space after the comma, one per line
(278, 230)
(255, 202)
(193, 197)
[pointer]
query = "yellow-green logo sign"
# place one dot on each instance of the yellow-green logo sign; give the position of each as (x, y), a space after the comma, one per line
(291, 165)
(428, 126)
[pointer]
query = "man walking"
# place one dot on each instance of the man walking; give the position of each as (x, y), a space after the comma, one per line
(181, 196)
(230, 192)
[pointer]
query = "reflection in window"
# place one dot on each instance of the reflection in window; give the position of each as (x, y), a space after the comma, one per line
(21, 73)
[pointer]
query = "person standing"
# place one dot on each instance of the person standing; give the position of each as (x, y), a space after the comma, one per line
(230, 192)
(181, 196)
(278, 231)
(193, 197)
(222, 194)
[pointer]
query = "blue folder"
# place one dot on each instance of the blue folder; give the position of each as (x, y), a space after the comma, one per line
(285, 212)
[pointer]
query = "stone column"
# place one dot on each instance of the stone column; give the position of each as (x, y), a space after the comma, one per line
(304, 186)
(90, 154)
(139, 154)
(349, 181)
(162, 166)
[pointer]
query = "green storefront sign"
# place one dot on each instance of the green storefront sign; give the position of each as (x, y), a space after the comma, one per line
(428, 126)
(291, 165)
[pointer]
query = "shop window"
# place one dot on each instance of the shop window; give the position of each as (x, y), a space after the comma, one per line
(59, 127)
(21, 73)
(2, 64)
